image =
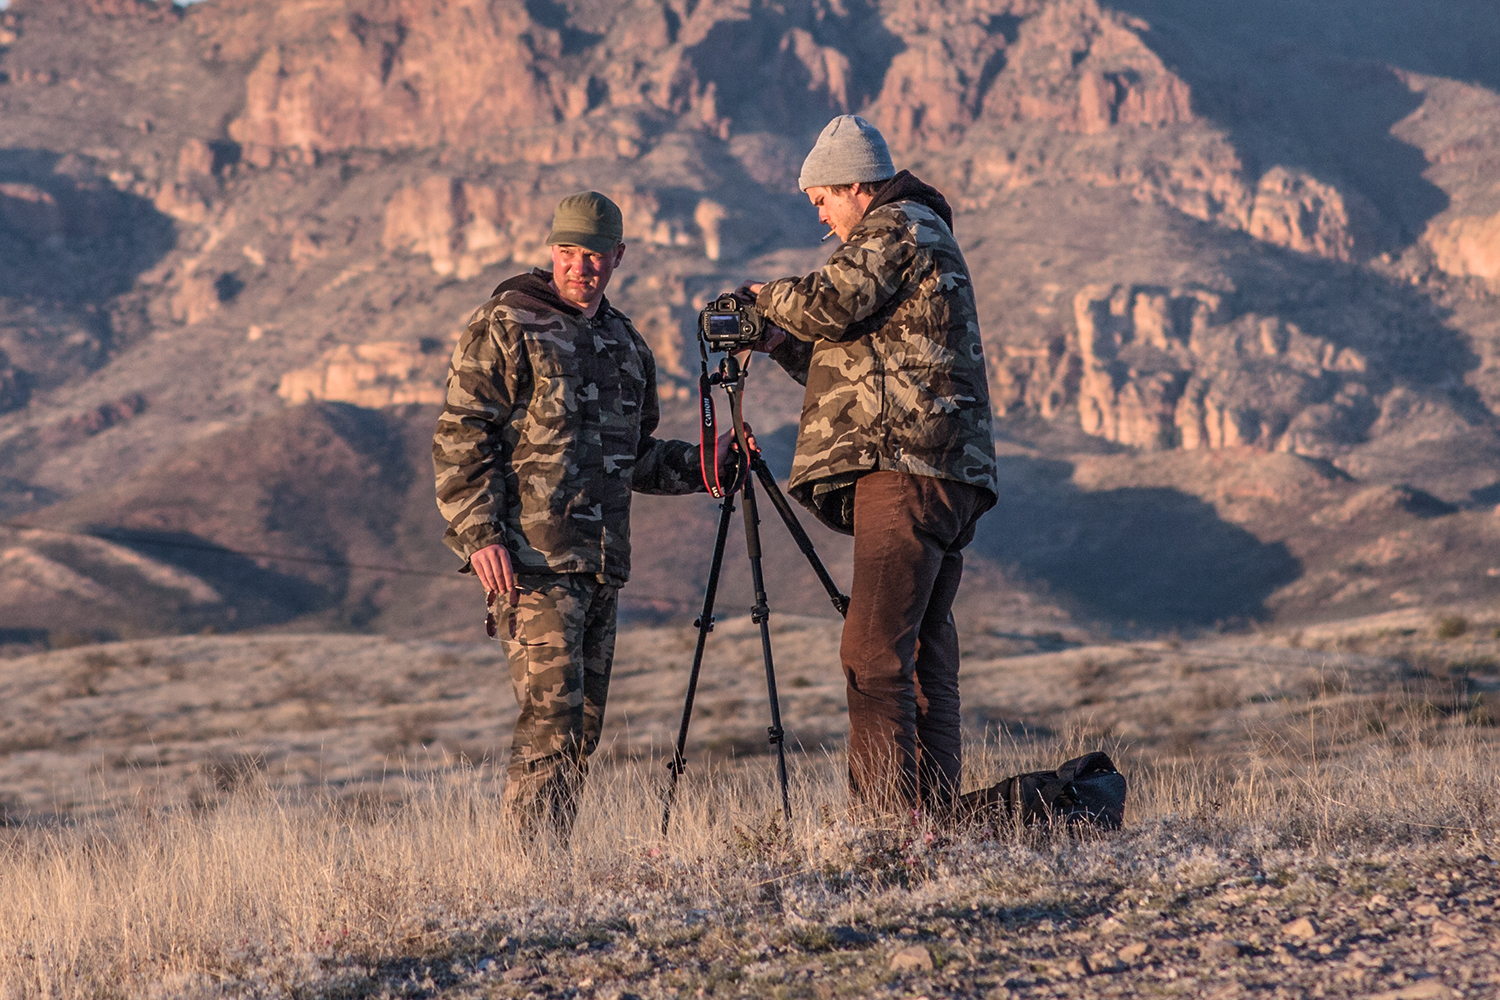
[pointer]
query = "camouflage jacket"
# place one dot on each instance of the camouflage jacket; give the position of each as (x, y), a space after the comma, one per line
(887, 344)
(547, 430)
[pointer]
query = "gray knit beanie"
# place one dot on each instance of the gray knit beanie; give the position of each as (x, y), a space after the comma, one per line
(848, 151)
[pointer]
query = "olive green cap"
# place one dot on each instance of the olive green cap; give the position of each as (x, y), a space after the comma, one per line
(589, 220)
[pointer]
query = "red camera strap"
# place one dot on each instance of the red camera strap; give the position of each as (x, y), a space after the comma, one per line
(708, 448)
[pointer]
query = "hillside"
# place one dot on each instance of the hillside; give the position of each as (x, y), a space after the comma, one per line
(1239, 270)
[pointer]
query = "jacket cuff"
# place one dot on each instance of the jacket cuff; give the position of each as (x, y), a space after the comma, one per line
(473, 539)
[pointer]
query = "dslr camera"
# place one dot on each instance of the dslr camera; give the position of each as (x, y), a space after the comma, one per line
(729, 324)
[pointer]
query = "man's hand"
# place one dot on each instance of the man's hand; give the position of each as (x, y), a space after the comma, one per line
(771, 337)
(729, 454)
(749, 439)
(492, 566)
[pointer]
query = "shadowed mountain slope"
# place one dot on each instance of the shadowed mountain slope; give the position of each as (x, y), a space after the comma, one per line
(237, 240)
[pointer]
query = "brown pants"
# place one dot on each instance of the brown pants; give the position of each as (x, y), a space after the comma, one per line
(900, 645)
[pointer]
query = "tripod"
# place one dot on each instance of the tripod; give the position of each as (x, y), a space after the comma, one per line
(731, 376)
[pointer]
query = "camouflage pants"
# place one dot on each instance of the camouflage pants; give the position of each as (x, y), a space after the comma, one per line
(560, 641)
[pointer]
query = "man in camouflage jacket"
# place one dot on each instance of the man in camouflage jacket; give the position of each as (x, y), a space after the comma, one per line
(895, 447)
(547, 428)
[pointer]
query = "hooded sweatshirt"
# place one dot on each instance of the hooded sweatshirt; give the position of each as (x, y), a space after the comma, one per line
(887, 344)
(546, 430)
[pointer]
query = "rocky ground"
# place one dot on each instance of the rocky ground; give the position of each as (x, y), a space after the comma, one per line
(1415, 924)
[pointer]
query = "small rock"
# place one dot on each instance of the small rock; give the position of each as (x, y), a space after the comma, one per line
(1301, 929)
(1377, 902)
(1133, 951)
(847, 936)
(1101, 960)
(1444, 935)
(1427, 989)
(1075, 967)
(1426, 910)
(912, 958)
(1220, 950)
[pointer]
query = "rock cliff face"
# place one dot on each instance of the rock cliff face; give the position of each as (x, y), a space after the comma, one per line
(1198, 229)
(488, 77)
(1163, 368)
(398, 75)
(1469, 246)
(1085, 69)
(395, 74)
(1464, 159)
(371, 375)
(460, 226)
(1157, 367)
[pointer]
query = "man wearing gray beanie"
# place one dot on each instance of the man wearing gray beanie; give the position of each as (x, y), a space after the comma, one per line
(895, 448)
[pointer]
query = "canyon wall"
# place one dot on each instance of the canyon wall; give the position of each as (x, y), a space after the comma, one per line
(1196, 231)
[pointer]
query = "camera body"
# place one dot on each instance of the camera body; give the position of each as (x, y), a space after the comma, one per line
(729, 324)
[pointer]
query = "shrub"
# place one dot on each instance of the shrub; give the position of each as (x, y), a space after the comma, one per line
(1452, 627)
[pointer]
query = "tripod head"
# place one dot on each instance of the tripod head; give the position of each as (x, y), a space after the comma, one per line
(731, 374)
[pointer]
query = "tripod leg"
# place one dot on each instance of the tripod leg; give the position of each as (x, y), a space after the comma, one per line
(794, 527)
(761, 615)
(705, 625)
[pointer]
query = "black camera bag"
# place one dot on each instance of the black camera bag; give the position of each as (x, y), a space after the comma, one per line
(1086, 790)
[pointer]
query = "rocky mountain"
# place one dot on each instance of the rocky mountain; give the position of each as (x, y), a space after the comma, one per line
(1239, 274)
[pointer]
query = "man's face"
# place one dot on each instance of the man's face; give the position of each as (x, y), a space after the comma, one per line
(839, 210)
(581, 275)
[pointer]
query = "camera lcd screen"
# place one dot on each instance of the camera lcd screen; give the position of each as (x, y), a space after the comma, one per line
(723, 328)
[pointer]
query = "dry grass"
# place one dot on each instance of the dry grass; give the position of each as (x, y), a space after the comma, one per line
(267, 817)
(277, 893)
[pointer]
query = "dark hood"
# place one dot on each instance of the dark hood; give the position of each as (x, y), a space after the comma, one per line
(905, 187)
(537, 284)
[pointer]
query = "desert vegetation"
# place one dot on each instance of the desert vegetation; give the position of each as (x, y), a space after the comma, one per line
(1345, 846)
